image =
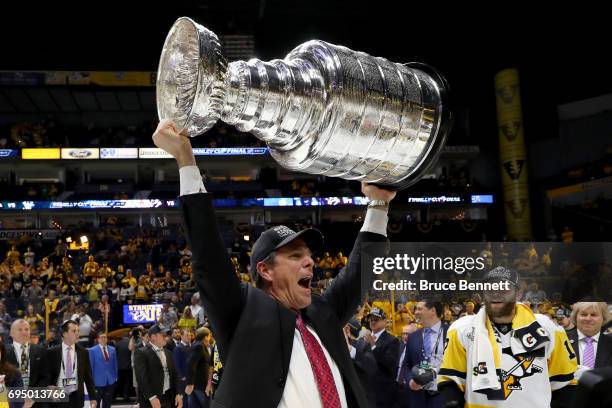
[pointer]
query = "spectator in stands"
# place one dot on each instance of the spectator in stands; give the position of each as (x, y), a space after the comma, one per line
(85, 324)
(197, 311)
(91, 267)
(187, 321)
(535, 295)
(5, 321)
(29, 257)
(168, 318)
(34, 319)
(34, 291)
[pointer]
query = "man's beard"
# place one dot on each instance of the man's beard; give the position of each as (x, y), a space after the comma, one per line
(505, 310)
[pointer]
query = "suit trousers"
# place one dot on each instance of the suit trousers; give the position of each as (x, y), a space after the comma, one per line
(105, 394)
(198, 399)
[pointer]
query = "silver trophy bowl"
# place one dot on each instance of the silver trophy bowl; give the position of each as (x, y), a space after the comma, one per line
(323, 109)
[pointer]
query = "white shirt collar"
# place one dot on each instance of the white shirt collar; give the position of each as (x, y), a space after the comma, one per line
(377, 334)
(66, 347)
(436, 327)
(595, 338)
(19, 345)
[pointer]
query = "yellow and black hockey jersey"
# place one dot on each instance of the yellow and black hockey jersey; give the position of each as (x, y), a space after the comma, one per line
(546, 362)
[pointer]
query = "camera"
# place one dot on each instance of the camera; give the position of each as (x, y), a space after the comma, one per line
(423, 374)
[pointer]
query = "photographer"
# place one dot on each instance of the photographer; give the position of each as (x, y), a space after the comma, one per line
(424, 352)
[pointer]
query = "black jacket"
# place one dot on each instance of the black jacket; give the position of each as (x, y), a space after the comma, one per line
(254, 332)
(198, 366)
(386, 353)
(603, 358)
(150, 374)
(38, 371)
(84, 375)
(366, 366)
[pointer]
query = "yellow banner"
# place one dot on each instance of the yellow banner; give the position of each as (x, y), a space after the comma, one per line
(40, 153)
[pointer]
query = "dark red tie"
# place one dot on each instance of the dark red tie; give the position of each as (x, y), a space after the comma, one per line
(320, 367)
(105, 354)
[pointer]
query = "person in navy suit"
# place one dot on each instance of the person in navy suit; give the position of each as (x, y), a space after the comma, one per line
(181, 355)
(425, 347)
(105, 369)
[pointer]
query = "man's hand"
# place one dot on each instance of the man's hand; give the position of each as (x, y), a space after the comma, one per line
(369, 337)
(178, 401)
(209, 389)
(375, 193)
(92, 403)
(414, 386)
(167, 138)
(155, 403)
(189, 389)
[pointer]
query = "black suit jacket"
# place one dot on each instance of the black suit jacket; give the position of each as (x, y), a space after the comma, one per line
(198, 366)
(84, 375)
(366, 366)
(150, 374)
(386, 353)
(254, 332)
(603, 358)
(38, 371)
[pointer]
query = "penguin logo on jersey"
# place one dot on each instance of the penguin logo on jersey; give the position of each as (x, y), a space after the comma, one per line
(523, 368)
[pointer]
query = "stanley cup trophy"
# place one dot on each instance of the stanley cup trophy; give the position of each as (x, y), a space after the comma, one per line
(324, 109)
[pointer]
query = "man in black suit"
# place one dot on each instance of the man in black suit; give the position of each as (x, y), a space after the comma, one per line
(592, 347)
(28, 358)
(385, 348)
(155, 373)
(69, 369)
(272, 339)
(124, 356)
(363, 358)
(403, 391)
(425, 348)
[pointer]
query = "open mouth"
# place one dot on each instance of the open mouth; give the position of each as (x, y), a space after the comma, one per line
(305, 282)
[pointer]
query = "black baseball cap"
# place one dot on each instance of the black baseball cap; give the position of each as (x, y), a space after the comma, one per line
(279, 236)
(156, 328)
(502, 274)
(377, 313)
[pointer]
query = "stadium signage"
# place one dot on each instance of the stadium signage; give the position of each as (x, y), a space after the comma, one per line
(80, 153)
(8, 153)
(230, 151)
(152, 153)
(119, 153)
(138, 314)
(40, 153)
(9, 235)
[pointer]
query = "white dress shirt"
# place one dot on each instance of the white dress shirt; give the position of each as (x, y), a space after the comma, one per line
(301, 390)
(161, 354)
